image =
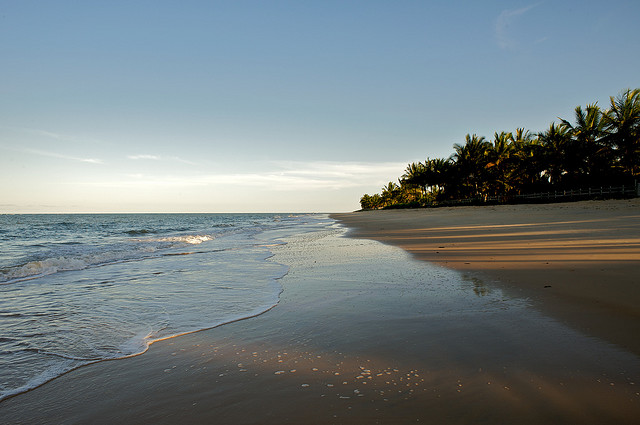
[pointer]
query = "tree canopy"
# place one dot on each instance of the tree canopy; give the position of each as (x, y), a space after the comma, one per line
(600, 147)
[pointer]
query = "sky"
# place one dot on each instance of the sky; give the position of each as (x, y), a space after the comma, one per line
(280, 106)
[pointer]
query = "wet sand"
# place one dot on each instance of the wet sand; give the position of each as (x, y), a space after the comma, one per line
(578, 261)
(363, 334)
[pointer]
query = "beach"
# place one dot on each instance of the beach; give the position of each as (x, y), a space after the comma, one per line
(579, 262)
(365, 332)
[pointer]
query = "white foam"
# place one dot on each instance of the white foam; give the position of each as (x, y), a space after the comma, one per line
(35, 269)
(49, 374)
(39, 268)
(190, 239)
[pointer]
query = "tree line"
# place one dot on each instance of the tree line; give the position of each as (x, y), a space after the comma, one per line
(600, 147)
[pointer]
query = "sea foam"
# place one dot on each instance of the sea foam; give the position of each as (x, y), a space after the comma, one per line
(139, 249)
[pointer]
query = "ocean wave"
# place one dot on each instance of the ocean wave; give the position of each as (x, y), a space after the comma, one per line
(141, 250)
(42, 378)
(137, 232)
(134, 347)
(39, 268)
(188, 239)
(9, 315)
(66, 356)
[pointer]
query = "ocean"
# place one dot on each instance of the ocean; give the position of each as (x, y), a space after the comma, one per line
(81, 288)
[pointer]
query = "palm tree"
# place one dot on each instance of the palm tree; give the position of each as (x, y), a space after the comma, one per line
(471, 161)
(555, 142)
(440, 174)
(499, 165)
(390, 194)
(622, 123)
(368, 202)
(416, 174)
(589, 127)
(589, 157)
(528, 162)
(522, 137)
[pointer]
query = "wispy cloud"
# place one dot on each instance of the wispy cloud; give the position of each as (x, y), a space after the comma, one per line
(54, 135)
(284, 176)
(149, 157)
(49, 134)
(62, 156)
(319, 175)
(341, 174)
(505, 21)
(40, 152)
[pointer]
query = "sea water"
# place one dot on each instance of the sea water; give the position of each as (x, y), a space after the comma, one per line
(81, 288)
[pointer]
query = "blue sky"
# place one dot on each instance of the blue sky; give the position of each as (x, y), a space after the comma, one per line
(232, 106)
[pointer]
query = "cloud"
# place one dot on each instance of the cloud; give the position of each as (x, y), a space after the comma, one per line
(283, 176)
(61, 156)
(159, 158)
(341, 174)
(503, 25)
(56, 136)
(151, 157)
(47, 134)
(317, 175)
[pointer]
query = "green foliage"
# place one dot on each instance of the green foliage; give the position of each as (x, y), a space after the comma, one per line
(599, 148)
(622, 125)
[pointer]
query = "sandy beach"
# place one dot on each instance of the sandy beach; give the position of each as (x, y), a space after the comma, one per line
(364, 333)
(578, 261)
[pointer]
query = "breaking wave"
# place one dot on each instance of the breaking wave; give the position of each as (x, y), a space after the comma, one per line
(139, 249)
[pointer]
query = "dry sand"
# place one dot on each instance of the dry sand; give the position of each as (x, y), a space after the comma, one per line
(578, 261)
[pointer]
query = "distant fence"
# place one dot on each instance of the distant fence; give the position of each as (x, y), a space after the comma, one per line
(622, 191)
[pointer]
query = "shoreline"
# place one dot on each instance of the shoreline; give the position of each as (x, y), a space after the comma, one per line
(578, 262)
(133, 355)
